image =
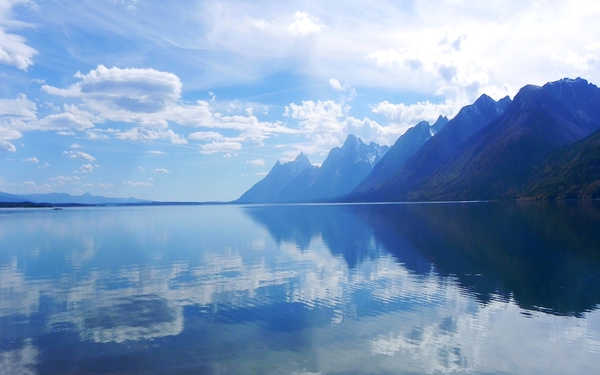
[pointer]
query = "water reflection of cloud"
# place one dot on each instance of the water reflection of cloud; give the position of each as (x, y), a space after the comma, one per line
(383, 317)
(17, 295)
(21, 361)
(137, 317)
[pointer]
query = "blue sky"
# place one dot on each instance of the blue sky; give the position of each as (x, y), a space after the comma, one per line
(196, 100)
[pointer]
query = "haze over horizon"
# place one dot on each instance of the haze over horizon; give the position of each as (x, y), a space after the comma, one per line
(198, 100)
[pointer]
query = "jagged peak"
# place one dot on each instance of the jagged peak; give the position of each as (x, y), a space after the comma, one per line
(438, 125)
(301, 157)
(300, 160)
(561, 84)
(440, 122)
(441, 119)
(484, 99)
(567, 82)
(352, 140)
(504, 99)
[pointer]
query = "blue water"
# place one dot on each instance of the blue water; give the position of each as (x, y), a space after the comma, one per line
(480, 288)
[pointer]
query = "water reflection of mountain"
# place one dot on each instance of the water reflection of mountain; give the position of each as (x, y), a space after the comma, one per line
(545, 257)
(348, 289)
(343, 231)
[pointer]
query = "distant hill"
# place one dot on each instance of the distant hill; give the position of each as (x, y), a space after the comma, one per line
(299, 181)
(63, 198)
(11, 198)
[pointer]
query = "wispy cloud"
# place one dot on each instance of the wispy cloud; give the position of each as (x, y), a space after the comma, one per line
(32, 159)
(326, 124)
(87, 168)
(304, 24)
(79, 155)
(220, 147)
(14, 49)
(149, 100)
(256, 162)
(410, 114)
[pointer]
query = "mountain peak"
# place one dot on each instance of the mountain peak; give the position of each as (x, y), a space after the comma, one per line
(506, 99)
(351, 140)
(440, 119)
(568, 82)
(302, 158)
(566, 90)
(422, 124)
(484, 99)
(439, 124)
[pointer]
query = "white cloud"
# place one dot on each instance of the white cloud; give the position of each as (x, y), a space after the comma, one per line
(16, 116)
(410, 114)
(14, 50)
(87, 168)
(66, 121)
(205, 136)
(326, 124)
(19, 115)
(90, 161)
(131, 90)
(144, 134)
(18, 111)
(150, 100)
(155, 152)
(32, 159)
(256, 162)
(317, 115)
(335, 84)
(79, 155)
(7, 146)
(161, 171)
(75, 146)
(450, 48)
(217, 147)
(304, 24)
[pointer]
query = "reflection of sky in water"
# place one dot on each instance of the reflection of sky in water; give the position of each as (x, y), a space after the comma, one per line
(294, 290)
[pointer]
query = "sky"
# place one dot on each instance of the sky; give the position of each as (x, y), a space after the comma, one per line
(196, 100)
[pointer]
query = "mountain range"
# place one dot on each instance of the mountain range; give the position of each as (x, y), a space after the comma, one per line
(63, 198)
(300, 181)
(405, 147)
(545, 143)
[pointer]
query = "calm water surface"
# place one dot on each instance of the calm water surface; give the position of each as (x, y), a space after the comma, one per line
(373, 289)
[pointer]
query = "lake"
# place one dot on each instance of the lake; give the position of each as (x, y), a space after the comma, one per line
(477, 288)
